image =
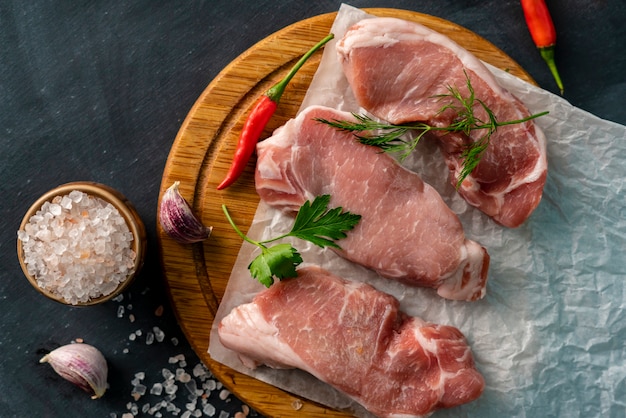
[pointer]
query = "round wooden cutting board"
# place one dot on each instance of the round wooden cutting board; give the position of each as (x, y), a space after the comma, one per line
(197, 274)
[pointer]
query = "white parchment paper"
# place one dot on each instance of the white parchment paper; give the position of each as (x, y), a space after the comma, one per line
(550, 335)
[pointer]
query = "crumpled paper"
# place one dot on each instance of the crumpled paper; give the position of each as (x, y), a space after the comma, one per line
(550, 335)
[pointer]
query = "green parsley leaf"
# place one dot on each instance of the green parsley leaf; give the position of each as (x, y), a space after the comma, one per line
(314, 222)
(322, 226)
(280, 260)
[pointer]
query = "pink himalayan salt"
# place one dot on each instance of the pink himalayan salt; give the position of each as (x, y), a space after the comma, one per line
(78, 247)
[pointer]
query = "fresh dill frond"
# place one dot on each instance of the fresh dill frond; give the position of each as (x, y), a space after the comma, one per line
(392, 138)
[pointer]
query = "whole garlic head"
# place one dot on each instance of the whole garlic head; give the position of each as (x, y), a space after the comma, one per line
(81, 364)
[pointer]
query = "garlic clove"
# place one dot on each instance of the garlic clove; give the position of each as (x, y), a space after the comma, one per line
(81, 364)
(178, 220)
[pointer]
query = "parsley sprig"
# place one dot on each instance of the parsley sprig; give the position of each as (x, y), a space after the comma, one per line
(314, 223)
(391, 138)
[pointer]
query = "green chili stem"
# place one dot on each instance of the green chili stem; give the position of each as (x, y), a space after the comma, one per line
(276, 91)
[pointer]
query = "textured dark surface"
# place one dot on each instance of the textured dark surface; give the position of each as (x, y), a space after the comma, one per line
(98, 90)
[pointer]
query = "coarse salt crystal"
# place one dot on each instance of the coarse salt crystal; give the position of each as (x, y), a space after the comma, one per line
(167, 374)
(159, 335)
(77, 251)
(210, 385)
(224, 394)
(191, 386)
(171, 389)
(157, 389)
(208, 410)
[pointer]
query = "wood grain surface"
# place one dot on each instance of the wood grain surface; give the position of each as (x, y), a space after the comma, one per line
(197, 275)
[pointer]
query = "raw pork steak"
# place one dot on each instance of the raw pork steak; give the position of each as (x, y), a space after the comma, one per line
(354, 338)
(397, 68)
(406, 233)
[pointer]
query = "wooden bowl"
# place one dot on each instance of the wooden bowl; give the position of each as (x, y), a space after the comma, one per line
(126, 210)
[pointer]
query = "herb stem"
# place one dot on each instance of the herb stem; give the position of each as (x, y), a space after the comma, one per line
(238, 231)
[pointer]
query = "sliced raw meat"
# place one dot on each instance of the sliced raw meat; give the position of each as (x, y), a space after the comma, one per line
(406, 232)
(354, 338)
(398, 68)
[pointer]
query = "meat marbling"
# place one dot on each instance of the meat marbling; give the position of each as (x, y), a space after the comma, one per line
(398, 68)
(354, 338)
(406, 233)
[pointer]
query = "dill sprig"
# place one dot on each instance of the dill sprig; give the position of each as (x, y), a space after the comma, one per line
(391, 138)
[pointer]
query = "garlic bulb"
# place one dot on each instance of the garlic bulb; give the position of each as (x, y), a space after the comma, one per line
(81, 364)
(177, 219)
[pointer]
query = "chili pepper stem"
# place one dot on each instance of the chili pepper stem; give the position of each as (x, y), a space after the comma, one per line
(276, 91)
(547, 54)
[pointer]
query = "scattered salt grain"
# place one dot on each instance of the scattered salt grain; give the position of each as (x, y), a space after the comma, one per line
(157, 389)
(120, 311)
(159, 335)
(181, 375)
(171, 389)
(177, 359)
(191, 386)
(77, 247)
(167, 374)
(138, 391)
(296, 404)
(208, 410)
(224, 394)
(210, 385)
(149, 338)
(199, 370)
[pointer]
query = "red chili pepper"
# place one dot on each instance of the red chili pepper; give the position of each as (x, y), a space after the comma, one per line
(542, 31)
(259, 117)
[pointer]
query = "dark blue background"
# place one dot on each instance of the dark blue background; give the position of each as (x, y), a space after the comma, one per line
(97, 90)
